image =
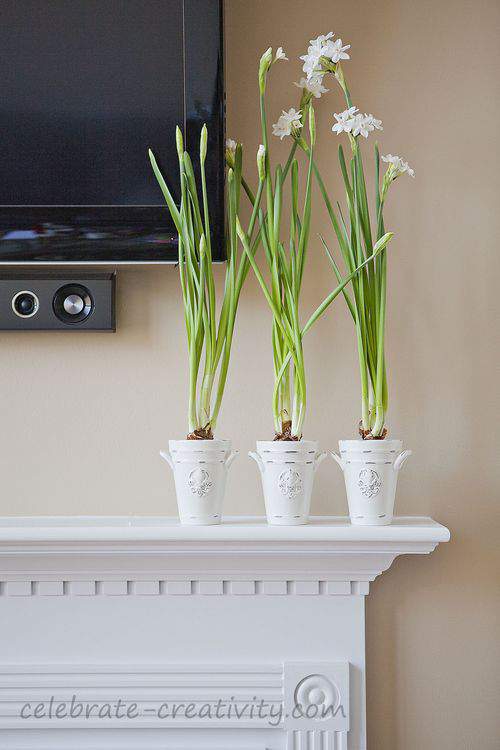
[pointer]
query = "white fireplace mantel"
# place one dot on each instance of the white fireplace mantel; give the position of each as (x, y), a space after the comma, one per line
(152, 613)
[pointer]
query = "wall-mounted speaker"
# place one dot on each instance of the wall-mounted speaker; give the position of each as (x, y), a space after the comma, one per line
(55, 301)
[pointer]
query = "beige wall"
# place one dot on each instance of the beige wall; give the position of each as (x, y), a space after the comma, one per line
(83, 416)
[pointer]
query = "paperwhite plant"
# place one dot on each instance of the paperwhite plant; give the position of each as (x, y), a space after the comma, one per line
(399, 166)
(359, 230)
(209, 325)
(365, 124)
(323, 47)
(285, 249)
(352, 121)
(363, 236)
(314, 86)
(288, 122)
(345, 120)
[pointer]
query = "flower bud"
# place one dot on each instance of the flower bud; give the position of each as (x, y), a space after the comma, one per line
(339, 75)
(179, 141)
(261, 162)
(382, 242)
(231, 147)
(312, 125)
(239, 230)
(265, 64)
(203, 144)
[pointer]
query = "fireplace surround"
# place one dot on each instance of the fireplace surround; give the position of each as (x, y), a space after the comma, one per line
(255, 634)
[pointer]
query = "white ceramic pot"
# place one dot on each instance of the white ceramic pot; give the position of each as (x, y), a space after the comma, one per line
(287, 469)
(371, 470)
(200, 471)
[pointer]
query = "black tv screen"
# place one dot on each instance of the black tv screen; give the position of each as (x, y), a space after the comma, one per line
(87, 86)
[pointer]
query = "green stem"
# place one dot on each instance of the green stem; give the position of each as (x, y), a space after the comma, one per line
(193, 371)
(379, 386)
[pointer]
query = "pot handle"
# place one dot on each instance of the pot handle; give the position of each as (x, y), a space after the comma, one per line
(319, 458)
(168, 458)
(337, 458)
(398, 463)
(258, 461)
(229, 460)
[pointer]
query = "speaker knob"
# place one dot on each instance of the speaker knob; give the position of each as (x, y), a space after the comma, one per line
(73, 304)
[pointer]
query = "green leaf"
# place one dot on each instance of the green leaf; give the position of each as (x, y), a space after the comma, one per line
(382, 242)
(174, 212)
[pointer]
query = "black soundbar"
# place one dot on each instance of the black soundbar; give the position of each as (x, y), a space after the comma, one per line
(57, 301)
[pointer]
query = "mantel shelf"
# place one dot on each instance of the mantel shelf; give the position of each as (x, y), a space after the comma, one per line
(136, 529)
(125, 555)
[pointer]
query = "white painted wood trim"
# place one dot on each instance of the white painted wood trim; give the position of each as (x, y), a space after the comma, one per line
(100, 529)
(103, 557)
(152, 691)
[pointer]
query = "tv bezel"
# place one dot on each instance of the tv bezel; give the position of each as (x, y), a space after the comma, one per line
(207, 106)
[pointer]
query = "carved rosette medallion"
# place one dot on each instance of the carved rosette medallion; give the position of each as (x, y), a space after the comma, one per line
(317, 690)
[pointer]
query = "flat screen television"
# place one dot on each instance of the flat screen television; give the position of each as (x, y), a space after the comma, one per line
(86, 86)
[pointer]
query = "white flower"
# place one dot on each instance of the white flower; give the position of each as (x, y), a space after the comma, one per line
(287, 122)
(311, 63)
(334, 50)
(314, 86)
(320, 40)
(365, 124)
(373, 122)
(345, 120)
(323, 46)
(231, 146)
(312, 58)
(352, 121)
(399, 166)
(280, 55)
